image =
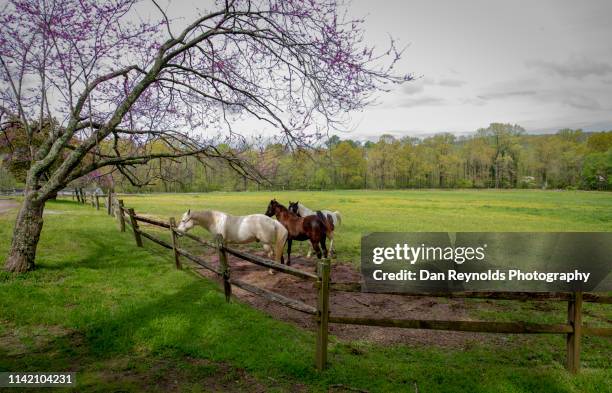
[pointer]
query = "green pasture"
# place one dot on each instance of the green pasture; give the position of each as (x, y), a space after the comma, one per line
(125, 320)
(408, 211)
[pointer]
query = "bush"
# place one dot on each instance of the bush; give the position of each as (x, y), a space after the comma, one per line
(464, 183)
(597, 171)
(527, 182)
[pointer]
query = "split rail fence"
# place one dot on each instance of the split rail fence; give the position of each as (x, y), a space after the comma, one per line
(574, 329)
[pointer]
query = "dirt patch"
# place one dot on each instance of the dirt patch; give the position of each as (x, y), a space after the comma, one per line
(17, 342)
(353, 304)
(166, 376)
(7, 204)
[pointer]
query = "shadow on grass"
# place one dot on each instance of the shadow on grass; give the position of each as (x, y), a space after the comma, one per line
(195, 323)
(181, 318)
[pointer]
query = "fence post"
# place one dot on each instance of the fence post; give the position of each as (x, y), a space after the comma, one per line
(177, 261)
(574, 317)
(121, 215)
(225, 269)
(322, 317)
(109, 202)
(135, 227)
(97, 202)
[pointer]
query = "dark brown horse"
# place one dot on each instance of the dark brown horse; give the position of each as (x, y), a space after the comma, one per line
(302, 211)
(313, 228)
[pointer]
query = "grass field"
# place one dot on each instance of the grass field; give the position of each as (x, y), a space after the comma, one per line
(409, 211)
(125, 320)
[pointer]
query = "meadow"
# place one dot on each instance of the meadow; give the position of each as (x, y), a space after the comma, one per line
(124, 319)
(408, 211)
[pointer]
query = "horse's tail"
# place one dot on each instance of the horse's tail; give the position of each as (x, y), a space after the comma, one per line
(281, 239)
(338, 218)
(328, 221)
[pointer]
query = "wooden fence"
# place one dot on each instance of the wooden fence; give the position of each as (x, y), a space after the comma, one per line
(574, 329)
(82, 196)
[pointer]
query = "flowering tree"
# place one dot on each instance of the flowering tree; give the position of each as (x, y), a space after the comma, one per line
(119, 86)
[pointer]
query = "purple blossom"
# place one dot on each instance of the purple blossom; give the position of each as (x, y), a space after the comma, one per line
(300, 66)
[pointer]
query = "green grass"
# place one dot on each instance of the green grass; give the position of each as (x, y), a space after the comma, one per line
(124, 319)
(410, 211)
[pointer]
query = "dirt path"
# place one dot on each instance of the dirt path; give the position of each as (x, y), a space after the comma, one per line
(7, 204)
(353, 304)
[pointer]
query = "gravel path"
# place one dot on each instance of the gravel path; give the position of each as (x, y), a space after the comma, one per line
(7, 205)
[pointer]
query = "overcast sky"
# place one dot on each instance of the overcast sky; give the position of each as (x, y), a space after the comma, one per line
(542, 64)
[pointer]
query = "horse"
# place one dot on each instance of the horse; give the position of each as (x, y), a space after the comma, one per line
(313, 228)
(240, 229)
(303, 211)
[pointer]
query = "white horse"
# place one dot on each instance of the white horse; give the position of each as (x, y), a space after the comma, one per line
(240, 229)
(303, 211)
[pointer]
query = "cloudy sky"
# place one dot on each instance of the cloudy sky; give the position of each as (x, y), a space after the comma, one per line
(542, 64)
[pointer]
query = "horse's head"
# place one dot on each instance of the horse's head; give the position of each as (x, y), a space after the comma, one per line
(186, 222)
(272, 206)
(294, 207)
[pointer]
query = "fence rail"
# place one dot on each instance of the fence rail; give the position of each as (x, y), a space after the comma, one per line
(574, 329)
(524, 296)
(257, 260)
(156, 240)
(152, 221)
(460, 326)
(275, 297)
(198, 260)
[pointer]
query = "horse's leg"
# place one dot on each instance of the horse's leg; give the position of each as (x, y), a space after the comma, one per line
(268, 250)
(332, 251)
(279, 247)
(315, 246)
(323, 246)
(309, 252)
(289, 241)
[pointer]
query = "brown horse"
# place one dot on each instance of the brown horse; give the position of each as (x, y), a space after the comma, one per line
(313, 228)
(333, 217)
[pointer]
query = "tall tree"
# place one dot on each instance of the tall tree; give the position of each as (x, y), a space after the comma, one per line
(600, 141)
(478, 154)
(294, 65)
(504, 138)
(382, 158)
(349, 165)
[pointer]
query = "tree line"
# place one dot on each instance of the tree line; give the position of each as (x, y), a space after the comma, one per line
(499, 156)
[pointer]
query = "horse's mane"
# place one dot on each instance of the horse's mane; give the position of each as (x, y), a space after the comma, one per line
(282, 207)
(305, 209)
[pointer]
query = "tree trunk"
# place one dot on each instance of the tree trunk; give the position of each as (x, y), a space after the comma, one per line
(27, 230)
